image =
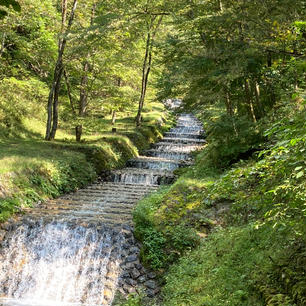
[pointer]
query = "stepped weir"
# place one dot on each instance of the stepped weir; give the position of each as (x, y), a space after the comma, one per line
(79, 249)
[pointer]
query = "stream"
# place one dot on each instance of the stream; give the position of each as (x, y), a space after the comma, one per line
(79, 249)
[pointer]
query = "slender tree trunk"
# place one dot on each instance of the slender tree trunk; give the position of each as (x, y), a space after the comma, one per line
(53, 91)
(69, 92)
(147, 65)
(83, 87)
(143, 80)
(249, 99)
(230, 110)
(114, 117)
(114, 113)
(220, 5)
(260, 107)
(52, 107)
(269, 59)
(78, 132)
(2, 44)
(228, 103)
(83, 90)
(49, 111)
(55, 103)
(83, 100)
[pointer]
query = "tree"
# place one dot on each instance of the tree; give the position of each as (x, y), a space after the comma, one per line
(228, 52)
(152, 23)
(52, 108)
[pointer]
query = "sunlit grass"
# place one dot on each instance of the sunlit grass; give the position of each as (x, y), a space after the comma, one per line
(25, 151)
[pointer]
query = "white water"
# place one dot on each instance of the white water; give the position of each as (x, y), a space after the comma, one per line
(58, 264)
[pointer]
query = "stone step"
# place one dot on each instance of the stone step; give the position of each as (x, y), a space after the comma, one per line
(171, 155)
(114, 216)
(183, 135)
(145, 162)
(144, 171)
(82, 197)
(143, 177)
(154, 159)
(183, 140)
(191, 126)
(102, 192)
(122, 205)
(128, 187)
(99, 201)
(84, 214)
(130, 190)
(122, 211)
(58, 205)
(171, 146)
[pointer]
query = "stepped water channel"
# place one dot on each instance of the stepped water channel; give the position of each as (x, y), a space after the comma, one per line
(79, 249)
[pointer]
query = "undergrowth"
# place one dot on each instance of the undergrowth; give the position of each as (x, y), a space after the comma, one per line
(233, 231)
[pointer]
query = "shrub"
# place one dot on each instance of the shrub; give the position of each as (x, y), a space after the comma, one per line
(231, 139)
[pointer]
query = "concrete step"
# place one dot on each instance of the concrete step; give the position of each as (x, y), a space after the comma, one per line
(183, 135)
(183, 140)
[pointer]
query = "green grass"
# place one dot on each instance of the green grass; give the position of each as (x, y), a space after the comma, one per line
(238, 266)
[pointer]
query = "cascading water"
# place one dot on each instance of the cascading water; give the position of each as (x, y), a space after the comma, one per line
(77, 249)
(59, 264)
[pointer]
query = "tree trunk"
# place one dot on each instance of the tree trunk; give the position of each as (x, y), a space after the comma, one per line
(147, 65)
(78, 132)
(55, 103)
(54, 90)
(230, 110)
(220, 5)
(269, 59)
(249, 99)
(2, 44)
(83, 87)
(52, 107)
(113, 117)
(69, 92)
(83, 100)
(260, 107)
(228, 102)
(143, 80)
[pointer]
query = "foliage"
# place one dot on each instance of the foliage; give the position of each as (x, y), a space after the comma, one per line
(20, 99)
(249, 219)
(231, 139)
(237, 265)
(152, 252)
(164, 238)
(242, 56)
(8, 3)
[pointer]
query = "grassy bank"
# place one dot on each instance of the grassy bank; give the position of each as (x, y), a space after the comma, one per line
(32, 169)
(234, 234)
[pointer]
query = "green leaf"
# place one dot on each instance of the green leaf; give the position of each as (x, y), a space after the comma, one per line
(298, 168)
(300, 174)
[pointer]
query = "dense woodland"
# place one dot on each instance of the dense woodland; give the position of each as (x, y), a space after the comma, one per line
(231, 230)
